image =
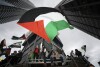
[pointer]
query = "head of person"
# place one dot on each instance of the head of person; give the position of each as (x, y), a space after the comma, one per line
(76, 49)
(15, 52)
(72, 51)
(36, 46)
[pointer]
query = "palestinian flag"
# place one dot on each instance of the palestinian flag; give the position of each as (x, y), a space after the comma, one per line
(83, 48)
(44, 23)
(23, 37)
(51, 23)
(15, 45)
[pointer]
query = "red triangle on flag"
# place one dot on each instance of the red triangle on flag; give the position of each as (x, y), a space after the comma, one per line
(36, 27)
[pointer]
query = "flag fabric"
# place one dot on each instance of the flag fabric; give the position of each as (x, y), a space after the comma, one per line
(16, 45)
(3, 43)
(52, 23)
(47, 28)
(15, 38)
(23, 37)
(46, 24)
(83, 48)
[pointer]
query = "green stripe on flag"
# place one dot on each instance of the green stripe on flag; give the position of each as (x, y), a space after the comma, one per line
(62, 24)
(51, 30)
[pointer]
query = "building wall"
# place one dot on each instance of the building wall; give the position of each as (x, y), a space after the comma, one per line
(10, 13)
(11, 10)
(83, 14)
(24, 4)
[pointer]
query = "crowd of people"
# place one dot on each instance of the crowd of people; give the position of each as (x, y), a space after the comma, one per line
(12, 59)
(83, 58)
(56, 56)
(5, 51)
(40, 52)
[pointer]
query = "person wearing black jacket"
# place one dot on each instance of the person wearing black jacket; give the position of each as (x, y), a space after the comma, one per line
(78, 53)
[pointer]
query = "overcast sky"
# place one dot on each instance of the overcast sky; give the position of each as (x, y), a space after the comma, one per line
(71, 39)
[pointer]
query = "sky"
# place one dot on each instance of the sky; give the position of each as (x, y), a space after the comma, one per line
(71, 39)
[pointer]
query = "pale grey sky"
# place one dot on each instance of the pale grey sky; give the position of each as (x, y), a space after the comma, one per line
(71, 39)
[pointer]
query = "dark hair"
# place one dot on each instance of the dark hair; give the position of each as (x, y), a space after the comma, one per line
(76, 49)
